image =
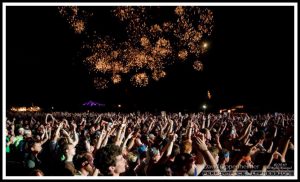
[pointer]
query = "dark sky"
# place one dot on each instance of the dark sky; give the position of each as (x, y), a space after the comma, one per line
(250, 62)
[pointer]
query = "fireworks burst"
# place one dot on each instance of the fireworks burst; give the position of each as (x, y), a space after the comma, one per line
(116, 79)
(151, 44)
(100, 83)
(76, 18)
(158, 74)
(140, 80)
(208, 94)
(198, 66)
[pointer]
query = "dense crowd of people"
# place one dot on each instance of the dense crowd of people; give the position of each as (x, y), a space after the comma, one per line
(149, 144)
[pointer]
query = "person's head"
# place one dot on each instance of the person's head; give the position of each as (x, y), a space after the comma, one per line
(167, 171)
(35, 146)
(37, 172)
(83, 164)
(247, 161)
(156, 131)
(151, 138)
(183, 163)
(109, 160)
(21, 131)
(92, 130)
(233, 133)
(215, 153)
(132, 159)
(69, 149)
(128, 130)
(224, 156)
(142, 148)
(154, 154)
(37, 137)
(206, 133)
(145, 139)
(27, 133)
(90, 158)
(62, 141)
(158, 141)
(163, 170)
(186, 147)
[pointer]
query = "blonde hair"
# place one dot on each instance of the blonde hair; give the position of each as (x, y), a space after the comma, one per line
(186, 147)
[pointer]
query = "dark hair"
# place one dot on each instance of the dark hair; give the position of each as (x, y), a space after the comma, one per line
(106, 157)
(181, 161)
(79, 160)
(35, 172)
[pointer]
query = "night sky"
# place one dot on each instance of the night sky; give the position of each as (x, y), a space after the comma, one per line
(250, 62)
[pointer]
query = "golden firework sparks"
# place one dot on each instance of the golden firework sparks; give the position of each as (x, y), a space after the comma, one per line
(76, 21)
(182, 54)
(116, 79)
(198, 66)
(208, 94)
(145, 42)
(158, 74)
(150, 46)
(100, 83)
(140, 80)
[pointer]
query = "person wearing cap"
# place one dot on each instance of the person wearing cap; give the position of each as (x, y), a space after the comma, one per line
(224, 159)
(158, 159)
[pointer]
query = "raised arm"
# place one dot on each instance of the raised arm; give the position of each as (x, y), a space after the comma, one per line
(45, 132)
(121, 132)
(209, 159)
(76, 137)
(124, 144)
(56, 135)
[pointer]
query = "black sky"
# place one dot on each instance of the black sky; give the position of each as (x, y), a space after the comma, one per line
(250, 62)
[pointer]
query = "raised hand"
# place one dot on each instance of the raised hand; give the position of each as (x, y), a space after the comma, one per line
(130, 135)
(65, 133)
(74, 125)
(200, 143)
(173, 136)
